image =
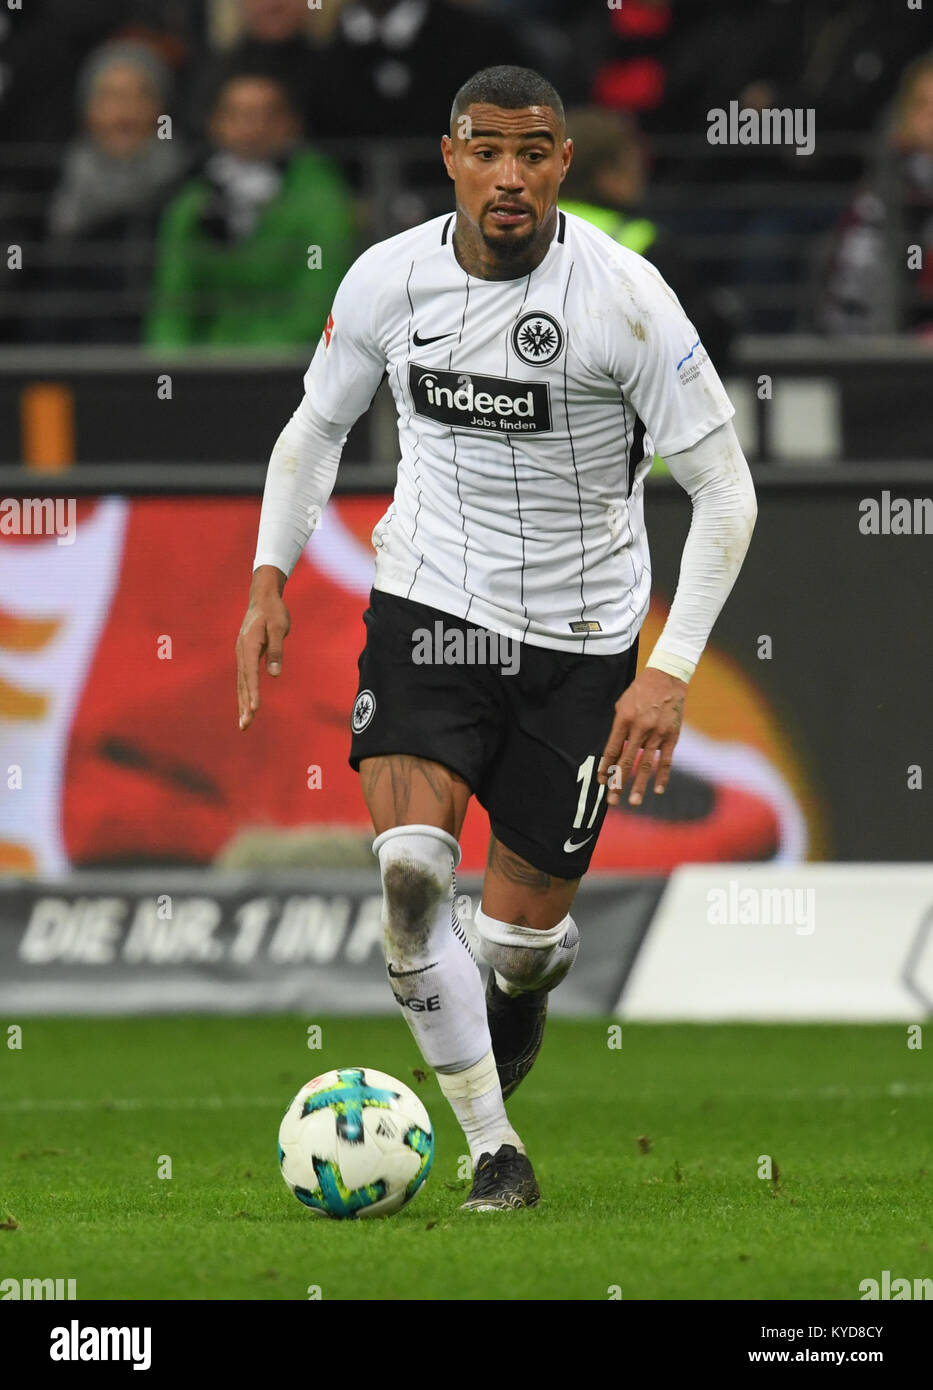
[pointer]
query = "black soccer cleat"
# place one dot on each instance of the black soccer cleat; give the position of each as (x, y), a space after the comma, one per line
(516, 1026)
(502, 1182)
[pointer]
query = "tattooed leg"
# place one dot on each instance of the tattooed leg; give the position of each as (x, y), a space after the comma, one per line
(400, 789)
(515, 891)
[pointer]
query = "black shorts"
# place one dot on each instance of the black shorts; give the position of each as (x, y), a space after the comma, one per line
(528, 744)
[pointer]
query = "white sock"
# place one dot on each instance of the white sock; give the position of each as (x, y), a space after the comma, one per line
(525, 958)
(435, 979)
(476, 1099)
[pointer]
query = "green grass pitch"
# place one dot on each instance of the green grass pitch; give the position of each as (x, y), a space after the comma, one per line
(648, 1156)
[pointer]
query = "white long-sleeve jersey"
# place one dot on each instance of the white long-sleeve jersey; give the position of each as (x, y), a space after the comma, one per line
(529, 411)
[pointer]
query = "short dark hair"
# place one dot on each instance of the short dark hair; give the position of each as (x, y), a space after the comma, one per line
(508, 87)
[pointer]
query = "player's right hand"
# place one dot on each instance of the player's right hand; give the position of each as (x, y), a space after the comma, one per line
(263, 630)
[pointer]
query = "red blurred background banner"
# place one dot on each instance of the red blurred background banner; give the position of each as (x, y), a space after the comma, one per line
(118, 704)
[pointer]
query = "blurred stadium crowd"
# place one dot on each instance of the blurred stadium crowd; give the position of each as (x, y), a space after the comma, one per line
(292, 126)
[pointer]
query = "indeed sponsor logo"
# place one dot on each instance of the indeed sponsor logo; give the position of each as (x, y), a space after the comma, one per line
(480, 402)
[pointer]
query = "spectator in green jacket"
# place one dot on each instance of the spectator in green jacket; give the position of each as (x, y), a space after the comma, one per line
(251, 252)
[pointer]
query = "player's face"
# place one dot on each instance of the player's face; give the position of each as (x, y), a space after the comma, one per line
(507, 168)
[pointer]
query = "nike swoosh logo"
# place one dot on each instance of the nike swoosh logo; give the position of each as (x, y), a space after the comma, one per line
(423, 342)
(569, 846)
(397, 974)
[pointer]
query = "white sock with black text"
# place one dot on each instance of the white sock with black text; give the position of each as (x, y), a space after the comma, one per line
(436, 980)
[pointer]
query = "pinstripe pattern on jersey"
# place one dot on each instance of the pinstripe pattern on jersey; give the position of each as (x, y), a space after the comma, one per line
(453, 435)
(511, 447)
(573, 452)
(411, 316)
(524, 541)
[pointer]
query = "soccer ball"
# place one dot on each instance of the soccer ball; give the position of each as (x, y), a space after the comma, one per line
(355, 1142)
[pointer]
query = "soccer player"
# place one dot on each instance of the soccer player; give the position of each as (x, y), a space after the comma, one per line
(536, 365)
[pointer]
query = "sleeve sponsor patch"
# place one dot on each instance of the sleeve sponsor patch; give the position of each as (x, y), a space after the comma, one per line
(689, 367)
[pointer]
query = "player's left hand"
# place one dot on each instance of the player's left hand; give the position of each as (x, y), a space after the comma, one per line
(647, 725)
